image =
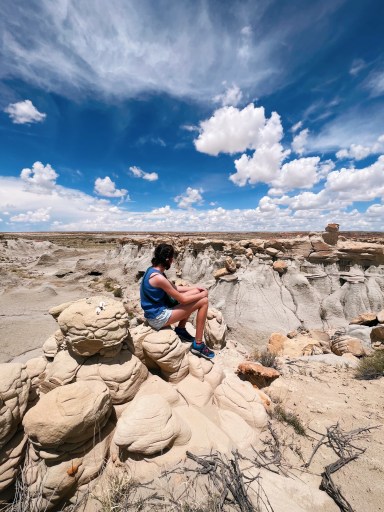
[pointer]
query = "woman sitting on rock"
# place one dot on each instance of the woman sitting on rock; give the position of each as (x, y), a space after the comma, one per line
(156, 294)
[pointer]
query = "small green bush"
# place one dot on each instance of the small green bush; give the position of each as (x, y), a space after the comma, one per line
(118, 292)
(290, 419)
(109, 285)
(371, 367)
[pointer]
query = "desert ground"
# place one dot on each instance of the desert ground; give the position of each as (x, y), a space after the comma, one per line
(296, 295)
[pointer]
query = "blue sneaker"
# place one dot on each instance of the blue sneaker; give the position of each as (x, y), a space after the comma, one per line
(184, 335)
(201, 350)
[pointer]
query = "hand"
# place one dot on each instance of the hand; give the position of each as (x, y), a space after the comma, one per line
(201, 289)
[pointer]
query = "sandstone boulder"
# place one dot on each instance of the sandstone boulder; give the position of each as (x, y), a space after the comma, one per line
(215, 329)
(55, 311)
(168, 352)
(50, 347)
(345, 344)
(220, 273)
(205, 370)
(377, 336)
(330, 238)
(280, 266)
(61, 371)
(332, 228)
(313, 350)
(135, 343)
(249, 254)
(149, 425)
(257, 374)
(276, 343)
(35, 368)
(123, 374)
(368, 319)
(195, 392)
(242, 399)
(319, 244)
(230, 265)
(271, 251)
(52, 484)
(67, 417)
(380, 316)
(281, 345)
(11, 455)
(155, 385)
(97, 325)
(14, 390)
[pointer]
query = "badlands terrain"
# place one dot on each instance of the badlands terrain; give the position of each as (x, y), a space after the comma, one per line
(91, 399)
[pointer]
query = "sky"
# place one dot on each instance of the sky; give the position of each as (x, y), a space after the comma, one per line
(195, 115)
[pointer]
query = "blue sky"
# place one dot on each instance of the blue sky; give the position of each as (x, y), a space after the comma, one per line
(191, 115)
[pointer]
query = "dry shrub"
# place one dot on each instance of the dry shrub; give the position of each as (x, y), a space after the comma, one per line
(264, 357)
(371, 367)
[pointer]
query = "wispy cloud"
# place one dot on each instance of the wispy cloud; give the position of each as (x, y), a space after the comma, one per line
(182, 48)
(231, 96)
(139, 173)
(375, 83)
(357, 66)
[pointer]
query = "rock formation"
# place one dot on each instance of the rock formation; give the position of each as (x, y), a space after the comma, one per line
(92, 398)
(321, 281)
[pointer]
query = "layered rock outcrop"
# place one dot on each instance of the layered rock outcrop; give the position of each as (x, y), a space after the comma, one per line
(320, 281)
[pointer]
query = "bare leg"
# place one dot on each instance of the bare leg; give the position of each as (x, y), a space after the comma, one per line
(182, 312)
(200, 322)
(183, 322)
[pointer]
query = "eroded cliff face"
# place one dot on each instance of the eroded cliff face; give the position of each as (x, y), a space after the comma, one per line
(275, 285)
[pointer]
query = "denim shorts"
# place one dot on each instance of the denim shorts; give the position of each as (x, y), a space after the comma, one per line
(159, 322)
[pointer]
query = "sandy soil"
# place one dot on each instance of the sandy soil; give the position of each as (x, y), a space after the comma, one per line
(28, 290)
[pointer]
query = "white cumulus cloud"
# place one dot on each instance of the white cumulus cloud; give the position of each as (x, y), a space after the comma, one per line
(262, 166)
(24, 112)
(231, 130)
(359, 152)
(299, 173)
(163, 210)
(107, 188)
(190, 197)
(40, 176)
(358, 184)
(138, 173)
(299, 141)
(32, 216)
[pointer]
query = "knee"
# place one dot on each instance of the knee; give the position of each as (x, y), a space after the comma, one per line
(204, 301)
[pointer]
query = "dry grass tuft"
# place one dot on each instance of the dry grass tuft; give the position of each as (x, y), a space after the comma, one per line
(371, 367)
(289, 418)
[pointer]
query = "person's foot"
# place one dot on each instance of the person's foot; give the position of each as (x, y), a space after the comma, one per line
(201, 350)
(184, 335)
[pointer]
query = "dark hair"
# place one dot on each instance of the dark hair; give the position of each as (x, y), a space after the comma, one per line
(162, 256)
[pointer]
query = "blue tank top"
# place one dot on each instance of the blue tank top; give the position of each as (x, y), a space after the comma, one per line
(152, 299)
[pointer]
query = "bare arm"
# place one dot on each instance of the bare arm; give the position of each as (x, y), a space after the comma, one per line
(184, 289)
(159, 281)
